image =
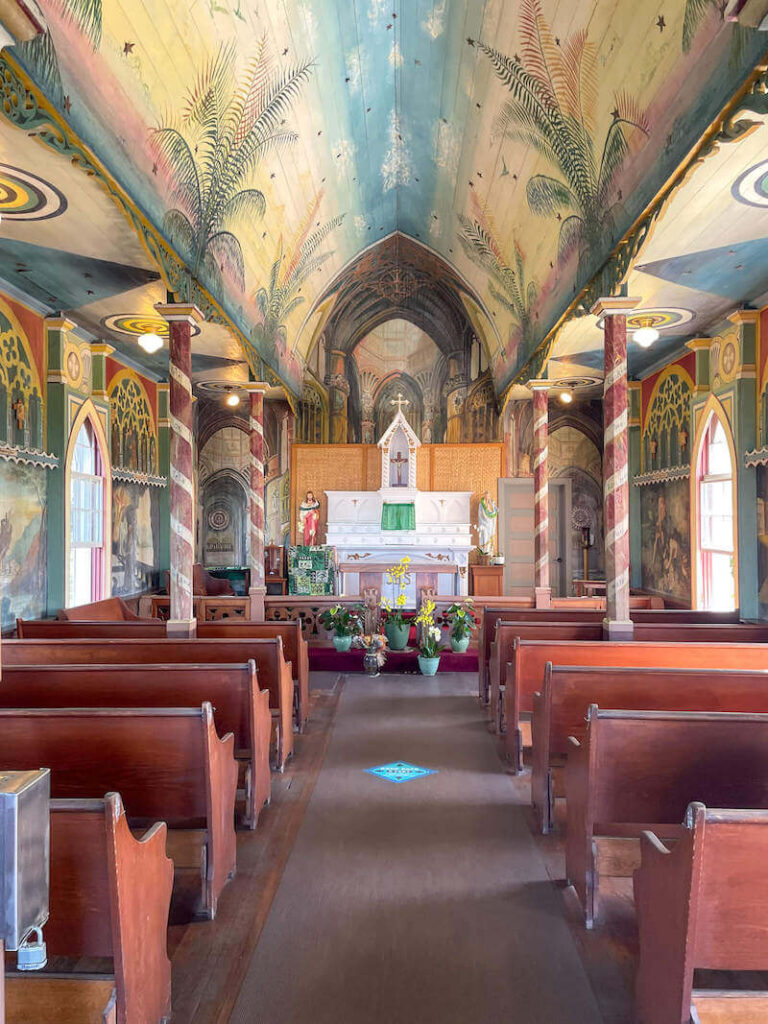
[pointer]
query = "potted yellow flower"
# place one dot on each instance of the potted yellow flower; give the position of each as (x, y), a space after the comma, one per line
(397, 625)
(429, 640)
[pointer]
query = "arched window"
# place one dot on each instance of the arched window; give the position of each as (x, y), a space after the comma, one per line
(85, 576)
(716, 554)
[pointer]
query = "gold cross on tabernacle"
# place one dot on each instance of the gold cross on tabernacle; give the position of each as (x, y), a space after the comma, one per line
(400, 401)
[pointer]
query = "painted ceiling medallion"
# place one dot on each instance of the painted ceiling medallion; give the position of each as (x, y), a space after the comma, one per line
(24, 196)
(661, 318)
(751, 187)
(135, 325)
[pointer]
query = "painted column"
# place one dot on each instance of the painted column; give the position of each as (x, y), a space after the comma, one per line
(617, 624)
(338, 396)
(542, 589)
(57, 435)
(745, 436)
(258, 587)
(164, 469)
(181, 317)
(634, 424)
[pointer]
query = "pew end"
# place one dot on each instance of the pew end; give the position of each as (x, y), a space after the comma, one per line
(729, 1007)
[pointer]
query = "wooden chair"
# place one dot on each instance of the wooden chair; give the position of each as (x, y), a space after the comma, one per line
(240, 707)
(703, 904)
(639, 770)
(167, 764)
(109, 897)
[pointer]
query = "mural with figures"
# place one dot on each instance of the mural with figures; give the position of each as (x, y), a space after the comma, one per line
(666, 558)
(518, 139)
(23, 585)
(135, 515)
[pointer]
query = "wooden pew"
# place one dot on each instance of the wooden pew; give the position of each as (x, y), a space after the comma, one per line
(525, 674)
(503, 646)
(239, 706)
(575, 611)
(638, 770)
(274, 671)
(110, 608)
(167, 764)
(295, 650)
(295, 647)
(109, 897)
(560, 709)
(61, 629)
(703, 904)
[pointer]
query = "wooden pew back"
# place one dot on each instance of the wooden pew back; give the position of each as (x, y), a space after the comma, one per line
(560, 710)
(638, 770)
(274, 672)
(240, 707)
(702, 904)
(66, 629)
(526, 675)
(166, 763)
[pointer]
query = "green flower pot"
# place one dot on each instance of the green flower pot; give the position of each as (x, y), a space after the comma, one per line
(428, 666)
(397, 636)
(459, 646)
(342, 643)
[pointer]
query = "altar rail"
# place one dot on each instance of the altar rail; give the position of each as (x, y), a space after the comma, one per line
(282, 608)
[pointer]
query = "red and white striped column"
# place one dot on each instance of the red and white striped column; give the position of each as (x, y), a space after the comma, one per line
(258, 588)
(182, 319)
(617, 624)
(542, 591)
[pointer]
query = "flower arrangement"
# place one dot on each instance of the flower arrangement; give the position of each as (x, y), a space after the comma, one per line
(375, 647)
(395, 613)
(343, 621)
(399, 576)
(462, 619)
(429, 632)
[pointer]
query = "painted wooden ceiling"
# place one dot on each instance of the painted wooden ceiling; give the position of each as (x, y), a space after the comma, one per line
(273, 141)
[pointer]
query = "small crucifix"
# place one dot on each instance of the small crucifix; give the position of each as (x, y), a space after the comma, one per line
(399, 462)
(400, 402)
(21, 412)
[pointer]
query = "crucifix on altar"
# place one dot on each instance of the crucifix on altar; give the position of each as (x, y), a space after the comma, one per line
(400, 449)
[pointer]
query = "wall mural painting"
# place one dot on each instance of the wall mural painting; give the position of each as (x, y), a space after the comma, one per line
(133, 435)
(21, 405)
(23, 578)
(135, 518)
(666, 559)
(576, 457)
(762, 540)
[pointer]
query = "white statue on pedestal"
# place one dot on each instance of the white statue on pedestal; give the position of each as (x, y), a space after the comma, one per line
(487, 513)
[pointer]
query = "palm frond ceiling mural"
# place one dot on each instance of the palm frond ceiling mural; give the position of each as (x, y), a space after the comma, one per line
(272, 143)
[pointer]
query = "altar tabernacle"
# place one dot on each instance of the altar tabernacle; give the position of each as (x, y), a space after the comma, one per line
(373, 529)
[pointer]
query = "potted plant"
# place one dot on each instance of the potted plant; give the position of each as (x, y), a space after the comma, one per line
(462, 620)
(429, 640)
(345, 623)
(375, 647)
(397, 623)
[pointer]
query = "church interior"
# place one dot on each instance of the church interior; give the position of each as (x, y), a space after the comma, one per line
(383, 511)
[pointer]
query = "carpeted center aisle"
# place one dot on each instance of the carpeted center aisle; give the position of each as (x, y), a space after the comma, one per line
(420, 902)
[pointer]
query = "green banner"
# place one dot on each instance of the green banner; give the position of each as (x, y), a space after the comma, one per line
(398, 516)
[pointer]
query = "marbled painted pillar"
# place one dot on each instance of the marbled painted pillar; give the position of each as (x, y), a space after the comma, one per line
(256, 501)
(182, 318)
(164, 469)
(634, 425)
(617, 624)
(543, 591)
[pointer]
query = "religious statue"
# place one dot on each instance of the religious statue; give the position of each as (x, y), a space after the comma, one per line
(487, 513)
(309, 520)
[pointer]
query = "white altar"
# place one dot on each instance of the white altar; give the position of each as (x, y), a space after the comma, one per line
(438, 545)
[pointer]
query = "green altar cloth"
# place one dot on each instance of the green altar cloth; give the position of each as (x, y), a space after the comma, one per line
(398, 516)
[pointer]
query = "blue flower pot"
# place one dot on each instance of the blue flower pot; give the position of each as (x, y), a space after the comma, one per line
(397, 636)
(428, 666)
(342, 643)
(459, 646)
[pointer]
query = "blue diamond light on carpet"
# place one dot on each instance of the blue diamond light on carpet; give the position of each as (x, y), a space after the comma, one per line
(400, 771)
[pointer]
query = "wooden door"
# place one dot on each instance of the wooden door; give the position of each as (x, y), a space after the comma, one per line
(559, 536)
(515, 533)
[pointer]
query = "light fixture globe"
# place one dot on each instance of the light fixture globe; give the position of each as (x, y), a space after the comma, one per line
(646, 333)
(233, 400)
(151, 343)
(566, 397)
